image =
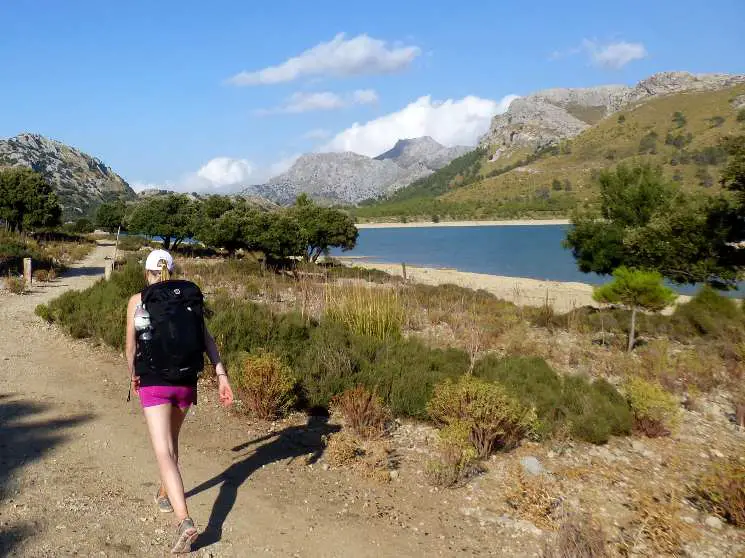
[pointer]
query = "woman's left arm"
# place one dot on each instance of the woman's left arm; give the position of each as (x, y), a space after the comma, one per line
(224, 389)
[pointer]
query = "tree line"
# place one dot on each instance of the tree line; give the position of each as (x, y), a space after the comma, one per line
(304, 230)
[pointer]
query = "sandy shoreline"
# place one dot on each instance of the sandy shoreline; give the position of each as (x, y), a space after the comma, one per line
(423, 224)
(562, 296)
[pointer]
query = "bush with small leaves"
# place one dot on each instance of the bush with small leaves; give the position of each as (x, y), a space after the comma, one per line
(265, 385)
(458, 461)
(494, 418)
(363, 411)
(656, 412)
(721, 490)
(41, 275)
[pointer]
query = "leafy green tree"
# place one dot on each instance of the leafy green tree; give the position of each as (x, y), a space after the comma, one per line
(636, 290)
(110, 216)
(278, 235)
(679, 119)
(646, 223)
(27, 201)
(171, 217)
(322, 228)
(556, 185)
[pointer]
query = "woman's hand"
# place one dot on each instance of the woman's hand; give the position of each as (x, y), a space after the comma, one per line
(224, 390)
(136, 384)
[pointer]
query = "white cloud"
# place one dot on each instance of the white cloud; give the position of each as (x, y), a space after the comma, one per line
(322, 100)
(365, 97)
(450, 122)
(338, 57)
(223, 171)
(139, 186)
(317, 134)
(612, 56)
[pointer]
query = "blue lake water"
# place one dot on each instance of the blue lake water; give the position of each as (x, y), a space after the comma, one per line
(533, 251)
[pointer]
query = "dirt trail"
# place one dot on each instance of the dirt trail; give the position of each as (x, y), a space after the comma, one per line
(77, 475)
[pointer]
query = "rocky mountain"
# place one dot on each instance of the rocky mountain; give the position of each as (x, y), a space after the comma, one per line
(425, 150)
(350, 178)
(82, 182)
(546, 117)
(543, 156)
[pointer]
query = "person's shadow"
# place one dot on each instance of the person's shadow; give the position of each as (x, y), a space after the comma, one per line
(291, 442)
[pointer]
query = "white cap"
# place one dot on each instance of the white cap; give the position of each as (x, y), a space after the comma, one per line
(151, 264)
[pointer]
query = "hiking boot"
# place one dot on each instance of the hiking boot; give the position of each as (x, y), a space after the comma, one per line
(186, 534)
(163, 503)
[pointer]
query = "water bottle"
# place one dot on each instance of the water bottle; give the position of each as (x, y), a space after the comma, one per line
(142, 324)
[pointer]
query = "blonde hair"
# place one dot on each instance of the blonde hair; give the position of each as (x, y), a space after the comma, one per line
(162, 275)
(165, 275)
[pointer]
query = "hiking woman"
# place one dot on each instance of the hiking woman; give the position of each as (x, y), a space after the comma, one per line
(165, 344)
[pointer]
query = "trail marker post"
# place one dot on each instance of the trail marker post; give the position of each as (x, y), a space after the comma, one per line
(27, 271)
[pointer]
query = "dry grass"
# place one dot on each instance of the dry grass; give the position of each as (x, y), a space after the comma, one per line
(578, 536)
(722, 490)
(16, 285)
(372, 459)
(533, 498)
(656, 530)
(372, 311)
(41, 275)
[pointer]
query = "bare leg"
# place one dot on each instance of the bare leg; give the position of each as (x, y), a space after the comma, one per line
(177, 420)
(159, 423)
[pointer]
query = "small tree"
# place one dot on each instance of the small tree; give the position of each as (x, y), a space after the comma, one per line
(171, 217)
(322, 228)
(636, 290)
(27, 201)
(110, 216)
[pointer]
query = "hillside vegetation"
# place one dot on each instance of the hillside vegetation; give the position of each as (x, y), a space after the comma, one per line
(680, 132)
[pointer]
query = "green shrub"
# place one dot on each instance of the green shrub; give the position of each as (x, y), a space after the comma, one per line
(99, 311)
(458, 461)
(708, 314)
(493, 418)
(591, 411)
(402, 372)
(132, 243)
(265, 385)
(741, 115)
(656, 412)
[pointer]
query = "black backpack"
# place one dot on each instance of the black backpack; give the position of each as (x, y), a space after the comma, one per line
(176, 350)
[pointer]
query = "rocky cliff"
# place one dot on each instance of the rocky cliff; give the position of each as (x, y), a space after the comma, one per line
(350, 178)
(549, 116)
(82, 181)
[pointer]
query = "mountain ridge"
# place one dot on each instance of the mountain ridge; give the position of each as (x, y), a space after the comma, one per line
(348, 178)
(82, 182)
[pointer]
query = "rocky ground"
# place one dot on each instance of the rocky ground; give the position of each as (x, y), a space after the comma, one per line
(78, 477)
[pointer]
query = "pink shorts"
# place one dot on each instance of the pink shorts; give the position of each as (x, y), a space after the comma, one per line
(178, 396)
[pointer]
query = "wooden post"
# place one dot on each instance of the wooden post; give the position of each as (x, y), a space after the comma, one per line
(116, 247)
(403, 268)
(27, 271)
(108, 269)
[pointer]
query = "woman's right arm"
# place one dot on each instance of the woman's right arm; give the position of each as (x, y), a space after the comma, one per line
(130, 342)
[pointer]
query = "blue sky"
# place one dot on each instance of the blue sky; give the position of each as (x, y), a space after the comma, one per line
(172, 92)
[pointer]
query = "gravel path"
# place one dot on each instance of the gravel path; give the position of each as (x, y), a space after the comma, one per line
(77, 475)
